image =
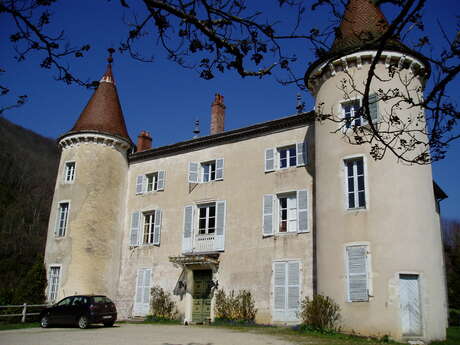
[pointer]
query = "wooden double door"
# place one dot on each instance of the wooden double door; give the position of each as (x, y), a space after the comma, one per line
(201, 307)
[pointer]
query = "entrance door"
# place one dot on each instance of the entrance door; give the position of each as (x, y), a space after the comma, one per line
(142, 299)
(411, 313)
(201, 309)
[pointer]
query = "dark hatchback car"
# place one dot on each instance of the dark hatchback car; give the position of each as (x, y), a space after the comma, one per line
(80, 311)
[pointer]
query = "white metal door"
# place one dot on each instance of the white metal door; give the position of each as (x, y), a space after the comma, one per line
(411, 313)
(142, 298)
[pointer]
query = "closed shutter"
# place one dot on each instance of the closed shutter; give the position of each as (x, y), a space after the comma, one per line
(279, 291)
(301, 149)
(140, 184)
(142, 298)
(302, 211)
(147, 286)
(269, 160)
(157, 228)
(357, 274)
(192, 172)
(293, 290)
(187, 238)
(220, 169)
(268, 215)
(139, 286)
(219, 239)
(373, 108)
(161, 180)
(135, 220)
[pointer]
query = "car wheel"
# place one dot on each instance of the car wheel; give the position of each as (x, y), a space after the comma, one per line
(83, 322)
(108, 324)
(44, 322)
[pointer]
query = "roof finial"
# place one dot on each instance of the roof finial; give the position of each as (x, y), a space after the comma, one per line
(196, 130)
(300, 106)
(108, 77)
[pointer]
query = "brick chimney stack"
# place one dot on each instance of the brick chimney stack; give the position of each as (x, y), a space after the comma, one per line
(217, 114)
(144, 141)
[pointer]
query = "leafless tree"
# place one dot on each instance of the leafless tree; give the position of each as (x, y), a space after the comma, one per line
(218, 36)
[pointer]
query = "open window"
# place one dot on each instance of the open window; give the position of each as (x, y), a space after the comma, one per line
(206, 171)
(285, 157)
(353, 112)
(150, 182)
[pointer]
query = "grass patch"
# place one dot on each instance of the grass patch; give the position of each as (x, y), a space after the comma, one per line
(7, 326)
(161, 320)
(453, 337)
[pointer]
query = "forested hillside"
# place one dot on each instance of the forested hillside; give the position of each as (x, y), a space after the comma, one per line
(28, 167)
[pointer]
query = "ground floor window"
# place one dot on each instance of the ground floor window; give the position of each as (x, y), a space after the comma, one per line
(286, 290)
(358, 273)
(53, 282)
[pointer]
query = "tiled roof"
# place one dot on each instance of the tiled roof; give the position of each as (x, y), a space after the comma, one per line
(103, 112)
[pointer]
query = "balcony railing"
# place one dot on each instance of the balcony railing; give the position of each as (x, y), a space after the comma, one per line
(204, 243)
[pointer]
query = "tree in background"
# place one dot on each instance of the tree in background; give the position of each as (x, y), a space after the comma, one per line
(217, 36)
(451, 236)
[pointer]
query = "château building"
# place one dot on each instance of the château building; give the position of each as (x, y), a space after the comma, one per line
(284, 208)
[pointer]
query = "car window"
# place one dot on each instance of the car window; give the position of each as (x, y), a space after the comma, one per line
(79, 300)
(65, 301)
(101, 299)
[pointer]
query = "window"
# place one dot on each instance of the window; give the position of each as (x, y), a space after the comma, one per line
(285, 157)
(287, 215)
(286, 290)
(204, 227)
(69, 172)
(352, 112)
(53, 282)
(62, 219)
(288, 210)
(357, 271)
(206, 171)
(145, 228)
(207, 219)
(355, 183)
(149, 221)
(150, 182)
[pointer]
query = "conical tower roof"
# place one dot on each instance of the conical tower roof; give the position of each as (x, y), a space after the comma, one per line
(362, 25)
(103, 112)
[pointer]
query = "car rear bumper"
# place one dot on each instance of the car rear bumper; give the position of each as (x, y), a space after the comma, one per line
(100, 318)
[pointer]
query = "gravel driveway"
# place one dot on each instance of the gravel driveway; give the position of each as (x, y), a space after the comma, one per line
(129, 334)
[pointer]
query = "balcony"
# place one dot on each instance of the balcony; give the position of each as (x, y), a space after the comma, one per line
(204, 243)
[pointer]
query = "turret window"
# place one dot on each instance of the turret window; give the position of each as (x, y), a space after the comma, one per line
(53, 282)
(62, 219)
(69, 172)
(355, 183)
(352, 112)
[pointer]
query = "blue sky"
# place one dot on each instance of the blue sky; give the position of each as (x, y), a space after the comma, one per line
(164, 98)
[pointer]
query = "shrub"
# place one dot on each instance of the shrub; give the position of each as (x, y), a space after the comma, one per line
(454, 317)
(235, 307)
(162, 305)
(320, 313)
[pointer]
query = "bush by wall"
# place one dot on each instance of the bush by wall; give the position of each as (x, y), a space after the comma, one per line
(162, 305)
(235, 306)
(454, 317)
(320, 313)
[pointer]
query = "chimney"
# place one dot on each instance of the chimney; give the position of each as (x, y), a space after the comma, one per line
(217, 114)
(144, 141)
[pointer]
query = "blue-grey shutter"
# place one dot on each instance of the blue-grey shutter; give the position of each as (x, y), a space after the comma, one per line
(357, 273)
(192, 172)
(157, 228)
(161, 180)
(293, 290)
(279, 291)
(268, 215)
(140, 184)
(373, 108)
(302, 211)
(219, 239)
(187, 237)
(220, 169)
(301, 150)
(135, 220)
(269, 160)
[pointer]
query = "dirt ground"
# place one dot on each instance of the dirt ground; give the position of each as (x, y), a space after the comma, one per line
(131, 334)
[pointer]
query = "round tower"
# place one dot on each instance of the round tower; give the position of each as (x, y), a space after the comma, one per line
(86, 222)
(378, 240)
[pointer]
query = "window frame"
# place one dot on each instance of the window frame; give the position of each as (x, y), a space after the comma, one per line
(73, 172)
(211, 165)
(50, 285)
(344, 168)
(214, 173)
(369, 274)
(286, 195)
(151, 227)
(288, 157)
(155, 183)
(272, 156)
(363, 119)
(57, 228)
(206, 206)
